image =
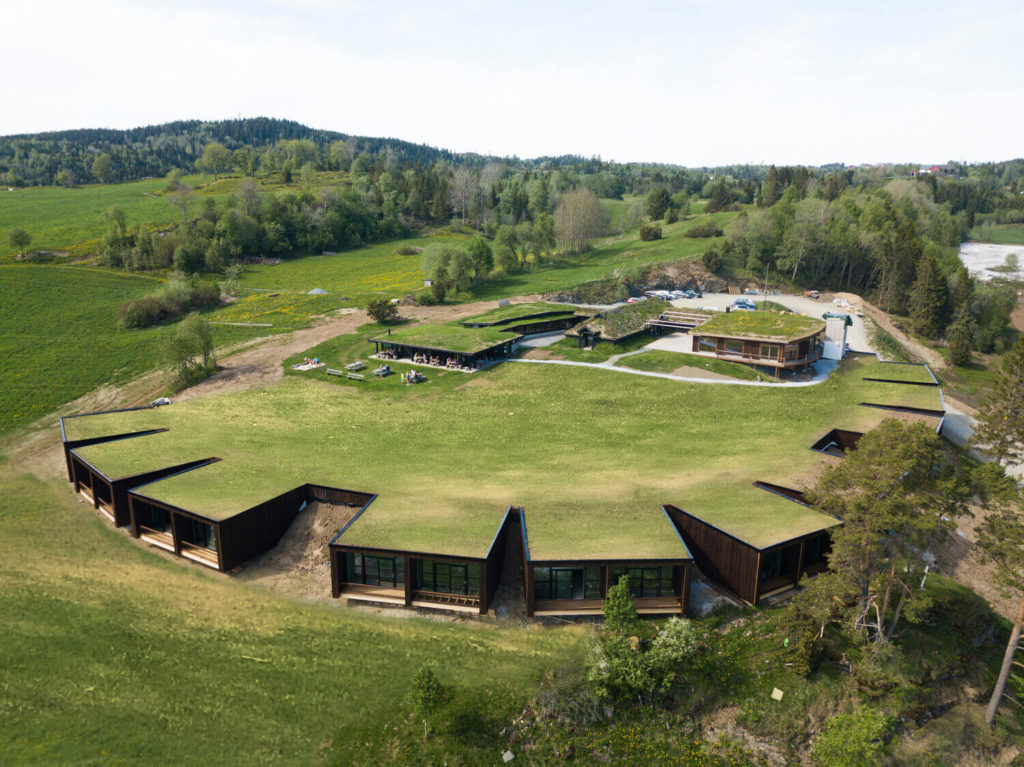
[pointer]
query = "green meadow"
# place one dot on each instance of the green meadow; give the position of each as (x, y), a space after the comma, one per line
(113, 655)
(59, 337)
(72, 219)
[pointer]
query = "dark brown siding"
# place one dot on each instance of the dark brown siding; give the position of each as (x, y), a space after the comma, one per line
(491, 573)
(258, 529)
(721, 557)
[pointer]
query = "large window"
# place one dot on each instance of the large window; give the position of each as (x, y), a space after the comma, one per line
(768, 350)
(733, 347)
(567, 583)
(448, 577)
(200, 534)
(375, 571)
(706, 344)
(646, 581)
(815, 550)
(157, 518)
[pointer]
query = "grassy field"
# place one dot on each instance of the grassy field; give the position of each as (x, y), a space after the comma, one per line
(506, 436)
(59, 337)
(665, 362)
(149, 662)
(72, 219)
(1003, 234)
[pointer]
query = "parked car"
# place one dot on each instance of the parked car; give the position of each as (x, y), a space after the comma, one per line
(636, 299)
(743, 304)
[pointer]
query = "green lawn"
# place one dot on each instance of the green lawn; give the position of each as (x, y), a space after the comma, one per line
(568, 348)
(448, 460)
(113, 655)
(777, 326)
(72, 219)
(660, 361)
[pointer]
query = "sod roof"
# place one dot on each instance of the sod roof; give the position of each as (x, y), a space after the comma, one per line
(774, 326)
(897, 371)
(450, 338)
(761, 518)
(130, 456)
(446, 464)
(102, 425)
(516, 311)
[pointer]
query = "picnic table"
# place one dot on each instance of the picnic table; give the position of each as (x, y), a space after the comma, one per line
(357, 365)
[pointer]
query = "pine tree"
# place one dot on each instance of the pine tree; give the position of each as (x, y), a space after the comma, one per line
(771, 190)
(1000, 421)
(658, 201)
(960, 337)
(898, 262)
(927, 298)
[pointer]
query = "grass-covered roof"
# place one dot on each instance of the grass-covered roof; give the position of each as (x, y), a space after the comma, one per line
(516, 311)
(897, 371)
(448, 337)
(446, 463)
(774, 326)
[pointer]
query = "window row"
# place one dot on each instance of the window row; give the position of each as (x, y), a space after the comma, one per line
(646, 581)
(375, 571)
(587, 582)
(447, 577)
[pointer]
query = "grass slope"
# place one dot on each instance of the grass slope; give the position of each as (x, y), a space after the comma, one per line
(150, 662)
(59, 337)
(777, 326)
(72, 219)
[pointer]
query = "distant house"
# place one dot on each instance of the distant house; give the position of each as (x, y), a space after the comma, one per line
(774, 340)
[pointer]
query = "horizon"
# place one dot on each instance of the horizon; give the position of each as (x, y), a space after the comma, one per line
(689, 85)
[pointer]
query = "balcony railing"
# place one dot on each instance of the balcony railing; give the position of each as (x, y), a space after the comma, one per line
(766, 360)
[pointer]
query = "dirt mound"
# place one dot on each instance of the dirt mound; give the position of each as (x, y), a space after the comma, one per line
(300, 564)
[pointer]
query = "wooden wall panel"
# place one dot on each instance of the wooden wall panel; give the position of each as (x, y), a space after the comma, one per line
(720, 556)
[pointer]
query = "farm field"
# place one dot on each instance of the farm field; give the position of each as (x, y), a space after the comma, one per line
(504, 437)
(149, 662)
(1002, 234)
(59, 337)
(72, 219)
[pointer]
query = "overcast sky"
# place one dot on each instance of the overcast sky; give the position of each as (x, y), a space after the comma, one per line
(696, 83)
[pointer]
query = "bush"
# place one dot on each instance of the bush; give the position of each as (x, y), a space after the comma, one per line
(671, 215)
(853, 740)
(382, 311)
(177, 298)
(709, 229)
(650, 232)
(426, 694)
(712, 260)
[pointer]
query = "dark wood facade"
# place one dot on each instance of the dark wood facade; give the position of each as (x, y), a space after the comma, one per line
(110, 495)
(747, 572)
(404, 585)
(70, 444)
(229, 543)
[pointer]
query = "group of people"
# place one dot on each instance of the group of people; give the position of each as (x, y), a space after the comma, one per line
(411, 377)
(311, 360)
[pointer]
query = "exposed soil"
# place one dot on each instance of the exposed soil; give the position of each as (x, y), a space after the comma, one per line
(299, 564)
(1017, 318)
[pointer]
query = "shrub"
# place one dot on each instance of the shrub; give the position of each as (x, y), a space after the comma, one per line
(205, 296)
(853, 740)
(619, 611)
(708, 229)
(382, 311)
(426, 693)
(712, 260)
(650, 232)
(671, 215)
(169, 304)
(438, 290)
(408, 250)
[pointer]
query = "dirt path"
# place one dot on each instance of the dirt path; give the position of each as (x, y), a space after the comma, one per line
(1017, 318)
(935, 360)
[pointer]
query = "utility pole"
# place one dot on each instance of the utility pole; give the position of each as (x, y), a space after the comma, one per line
(765, 305)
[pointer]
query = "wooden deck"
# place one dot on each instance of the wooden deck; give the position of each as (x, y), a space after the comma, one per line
(200, 554)
(360, 593)
(157, 538)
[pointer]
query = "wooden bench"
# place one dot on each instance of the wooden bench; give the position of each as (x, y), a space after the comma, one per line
(333, 372)
(356, 376)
